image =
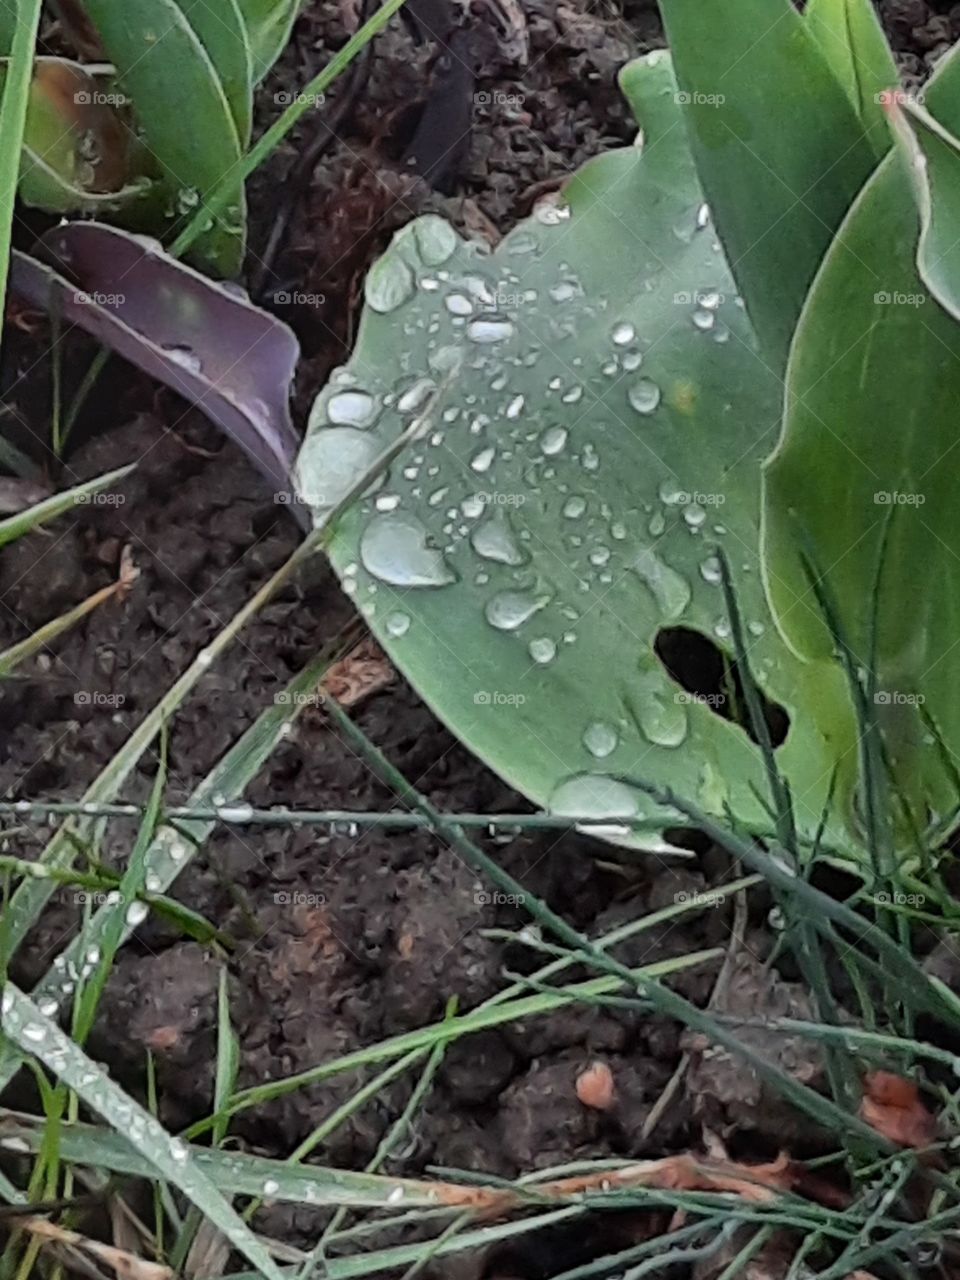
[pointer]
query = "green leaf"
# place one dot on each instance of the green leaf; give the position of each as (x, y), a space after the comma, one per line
(766, 115)
(269, 23)
(850, 37)
(863, 477)
(8, 25)
(25, 17)
(223, 33)
(933, 154)
(24, 522)
(40, 1037)
(595, 416)
(163, 65)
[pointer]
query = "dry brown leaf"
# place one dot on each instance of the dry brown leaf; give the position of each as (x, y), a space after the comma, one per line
(364, 671)
(892, 1106)
(126, 1265)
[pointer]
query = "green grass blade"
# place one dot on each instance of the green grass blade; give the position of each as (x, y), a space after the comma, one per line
(24, 522)
(13, 118)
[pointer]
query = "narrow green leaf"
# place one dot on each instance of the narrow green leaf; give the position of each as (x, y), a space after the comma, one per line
(269, 23)
(162, 64)
(851, 39)
(25, 521)
(25, 17)
(223, 33)
(766, 116)
(41, 1038)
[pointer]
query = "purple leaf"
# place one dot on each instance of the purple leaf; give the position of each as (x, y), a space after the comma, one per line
(203, 339)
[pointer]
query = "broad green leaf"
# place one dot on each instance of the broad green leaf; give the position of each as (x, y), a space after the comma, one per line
(269, 23)
(595, 417)
(864, 471)
(163, 65)
(933, 154)
(223, 33)
(779, 149)
(78, 154)
(853, 45)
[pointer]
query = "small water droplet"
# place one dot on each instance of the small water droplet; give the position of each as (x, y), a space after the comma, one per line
(644, 396)
(416, 396)
(662, 721)
(600, 739)
(623, 334)
(458, 305)
(483, 460)
(136, 913)
(494, 541)
(574, 507)
(704, 319)
(542, 650)
(553, 440)
(710, 570)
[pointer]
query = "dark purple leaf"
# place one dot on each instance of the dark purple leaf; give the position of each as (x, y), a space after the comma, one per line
(203, 339)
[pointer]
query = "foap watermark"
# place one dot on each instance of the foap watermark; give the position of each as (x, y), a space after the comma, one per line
(496, 898)
(897, 298)
(97, 98)
(897, 899)
(107, 499)
(497, 98)
(696, 99)
(293, 698)
(712, 700)
(900, 98)
(896, 498)
(297, 898)
(95, 897)
(708, 298)
(83, 298)
(94, 698)
(895, 698)
(691, 898)
(501, 499)
(284, 98)
(295, 298)
(497, 698)
(683, 498)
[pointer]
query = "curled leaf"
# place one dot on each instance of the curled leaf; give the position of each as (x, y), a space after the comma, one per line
(205, 340)
(892, 1106)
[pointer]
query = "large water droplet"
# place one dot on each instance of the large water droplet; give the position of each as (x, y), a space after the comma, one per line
(668, 588)
(330, 464)
(662, 721)
(508, 610)
(489, 328)
(591, 796)
(389, 283)
(435, 239)
(352, 408)
(644, 395)
(494, 541)
(600, 739)
(553, 440)
(394, 549)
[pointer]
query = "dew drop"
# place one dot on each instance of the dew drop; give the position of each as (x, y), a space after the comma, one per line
(662, 722)
(331, 462)
(508, 610)
(552, 441)
(600, 739)
(623, 334)
(644, 396)
(394, 549)
(458, 304)
(494, 541)
(435, 239)
(574, 507)
(351, 408)
(710, 571)
(591, 795)
(542, 650)
(489, 328)
(416, 396)
(389, 283)
(668, 588)
(136, 913)
(483, 460)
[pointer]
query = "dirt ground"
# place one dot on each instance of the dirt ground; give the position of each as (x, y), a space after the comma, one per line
(340, 939)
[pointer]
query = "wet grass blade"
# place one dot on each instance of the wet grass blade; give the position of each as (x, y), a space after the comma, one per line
(24, 522)
(13, 118)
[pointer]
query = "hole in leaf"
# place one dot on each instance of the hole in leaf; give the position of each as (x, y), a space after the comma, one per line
(707, 673)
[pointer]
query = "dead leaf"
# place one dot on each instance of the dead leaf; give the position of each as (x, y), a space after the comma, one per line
(363, 672)
(892, 1106)
(126, 1265)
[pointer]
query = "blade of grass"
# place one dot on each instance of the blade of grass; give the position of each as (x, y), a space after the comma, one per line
(37, 1035)
(13, 118)
(25, 521)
